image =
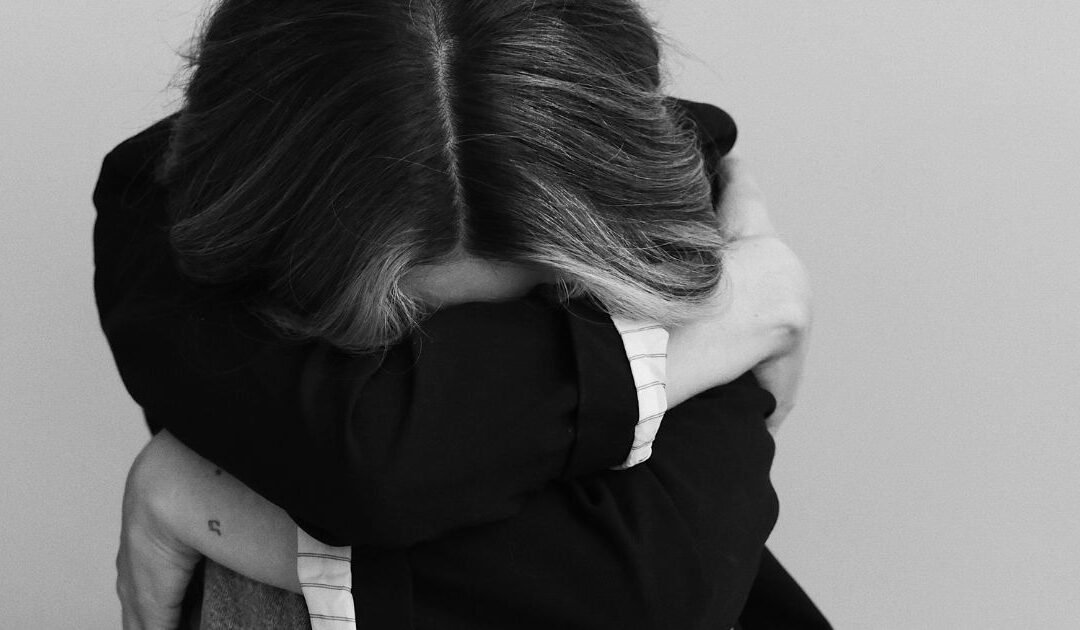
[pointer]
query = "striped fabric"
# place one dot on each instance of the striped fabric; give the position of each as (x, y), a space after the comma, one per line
(646, 349)
(326, 580)
(326, 572)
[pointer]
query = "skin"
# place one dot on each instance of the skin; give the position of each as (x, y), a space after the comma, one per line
(761, 317)
(178, 506)
(465, 278)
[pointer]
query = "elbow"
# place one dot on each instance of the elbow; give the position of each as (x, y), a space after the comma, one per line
(386, 519)
(341, 505)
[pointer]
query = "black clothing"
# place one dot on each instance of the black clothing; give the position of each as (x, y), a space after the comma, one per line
(272, 412)
(776, 601)
(466, 506)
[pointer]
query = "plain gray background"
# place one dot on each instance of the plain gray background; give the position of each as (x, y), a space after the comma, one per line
(921, 157)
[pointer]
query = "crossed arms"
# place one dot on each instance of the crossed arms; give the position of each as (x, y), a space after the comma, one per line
(235, 410)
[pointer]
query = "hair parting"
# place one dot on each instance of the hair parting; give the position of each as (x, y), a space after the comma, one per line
(364, 139)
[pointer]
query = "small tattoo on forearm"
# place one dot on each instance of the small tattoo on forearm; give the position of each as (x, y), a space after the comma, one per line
(215, 526)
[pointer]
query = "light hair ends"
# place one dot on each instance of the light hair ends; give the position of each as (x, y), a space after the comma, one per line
(327, 147)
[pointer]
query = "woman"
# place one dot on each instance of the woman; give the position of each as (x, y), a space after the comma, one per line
(485, 147)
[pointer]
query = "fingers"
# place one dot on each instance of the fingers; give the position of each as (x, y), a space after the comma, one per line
(742, 206)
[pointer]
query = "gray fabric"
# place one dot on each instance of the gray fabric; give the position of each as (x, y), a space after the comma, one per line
(231, 601)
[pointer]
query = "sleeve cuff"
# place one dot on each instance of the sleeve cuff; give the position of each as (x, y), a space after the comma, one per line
(646, 351)
(325, 574)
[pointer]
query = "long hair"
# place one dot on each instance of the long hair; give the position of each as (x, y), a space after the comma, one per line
(326, 147)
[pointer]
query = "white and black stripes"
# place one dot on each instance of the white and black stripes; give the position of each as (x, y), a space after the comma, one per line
(325, 574)
(645, 344)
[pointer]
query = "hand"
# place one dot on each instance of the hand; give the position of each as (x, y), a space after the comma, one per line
(760, 317)
(153, 566)
(742, 209)
(770, 270)
(784, 301)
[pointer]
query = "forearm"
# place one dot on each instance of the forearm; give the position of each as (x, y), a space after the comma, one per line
(280, 415)
(208, 510)
(709, 475)
(671, 543)
(465, 427)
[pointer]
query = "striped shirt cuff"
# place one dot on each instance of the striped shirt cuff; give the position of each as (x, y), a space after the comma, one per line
(646, 349)
(326, 580)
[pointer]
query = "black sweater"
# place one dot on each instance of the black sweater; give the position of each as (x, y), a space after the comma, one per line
(470, 477)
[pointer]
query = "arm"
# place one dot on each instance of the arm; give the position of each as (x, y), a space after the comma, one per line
(766, 288)
(178, 507)
(285, 419)
(173, 496)
(735, 322)
(193, 504)
(784, 288)
(762, 318)
(308, 427)
(671, 543)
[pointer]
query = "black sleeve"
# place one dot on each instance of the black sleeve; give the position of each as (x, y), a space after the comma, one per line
(672, 543)
(716, 134)
(442, 431)
(777, 602)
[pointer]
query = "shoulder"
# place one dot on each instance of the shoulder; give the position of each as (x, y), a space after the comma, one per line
(714, 125)
(139, 155)
(129, 171)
